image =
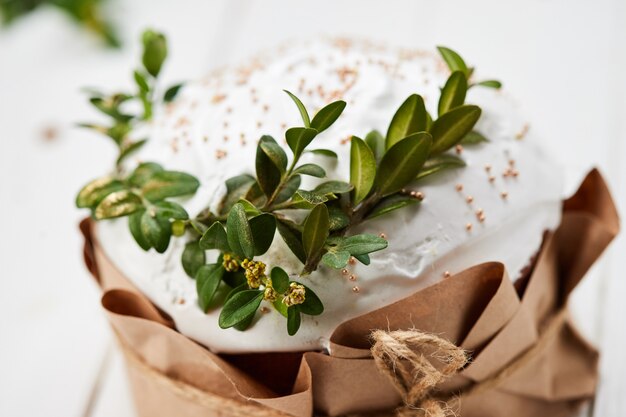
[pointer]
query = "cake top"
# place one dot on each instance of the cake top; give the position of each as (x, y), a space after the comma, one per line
(283, 209)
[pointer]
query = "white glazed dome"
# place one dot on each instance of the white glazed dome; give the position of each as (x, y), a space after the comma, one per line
(211, 131)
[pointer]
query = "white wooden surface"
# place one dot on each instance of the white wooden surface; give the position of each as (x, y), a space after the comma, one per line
(564, 59)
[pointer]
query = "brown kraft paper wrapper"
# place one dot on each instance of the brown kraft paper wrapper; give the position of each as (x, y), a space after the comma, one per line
(478, 309)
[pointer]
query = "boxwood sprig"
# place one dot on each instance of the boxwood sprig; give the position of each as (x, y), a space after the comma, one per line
(257, 207)
(116, 106)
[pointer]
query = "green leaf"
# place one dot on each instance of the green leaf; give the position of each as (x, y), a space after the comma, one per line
(239, 233)
(117, 204)
(236, 189)
(134, 224)
(376, 141)
(362, 244)
(293, 320)
(143, 173)
(193, 258)
(337, 218)
(141, 82)
(251, 209)
(336, 259)
(328, 115)
(362, 169)
(166, 184)
(240, 307)
(293, 238)
(454, 60)
(280, 279)
(274, 152)
(402, 163)
(268, 174)
(235, 279)
(364, 259)
(490, 84)
(453, 93)
(310, 169)
(439, 163)
(449, 129)
(315, 230)
(301, 108)
(94, 192)
(215, 238)
(298, 138)
(333, 187)
(280, 307)
(156, 230)
(290, 187)
(324, 152)
(111, 106)
(172, 92)
(409, 118)
(391, 203)
(128, 149)
(307, 199)
(170, 210)
(473, 138)
(154, 51)
(263, 228)
(312, 305)
(208, 278)
(236, 289)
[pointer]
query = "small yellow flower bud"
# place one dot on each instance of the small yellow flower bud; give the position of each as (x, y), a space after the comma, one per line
(270, 294)
(178, 228)
(230, 264)
(255, 272)
(295, 295)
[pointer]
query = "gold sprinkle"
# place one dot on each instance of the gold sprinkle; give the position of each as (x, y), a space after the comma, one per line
(504, 194)
(264, 310)
(181, 301)
(266, 108)
(522, 133)
(229, 109)
(468, 227)
(205, 138)
(355, 289)
(226, 138)
(458, 149)
(382, 235)
(283, 125)
(352, 260)
(515, 173)
(219, 154)
(225, 124)
(481, 218)
(512, 162)
(488, 168)
(469, 199)
(345, 271)
(50, 133)
(459, 187)
(259, 124)
(218, 98)
(352, 277)
(447, 274)
(419, 195)
(479, 212)
(492, 178)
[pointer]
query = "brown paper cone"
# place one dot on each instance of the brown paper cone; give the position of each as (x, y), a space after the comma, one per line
(527, 358)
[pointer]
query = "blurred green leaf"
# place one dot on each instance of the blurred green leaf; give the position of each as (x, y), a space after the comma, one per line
(439, 163)
(164, 184)
(154, 51)
(391, 203)
(310, 169)
(117, 204)
(193, 258)
(473, 138)
(208, 278)
(453, 60)
(376, 141)
(134, 224)
(94, 192)
(156, 230)
(240, 307)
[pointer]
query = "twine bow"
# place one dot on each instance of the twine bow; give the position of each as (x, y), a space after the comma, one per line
(406, 357)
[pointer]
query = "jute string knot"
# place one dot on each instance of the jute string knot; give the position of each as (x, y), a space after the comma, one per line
(406, 358)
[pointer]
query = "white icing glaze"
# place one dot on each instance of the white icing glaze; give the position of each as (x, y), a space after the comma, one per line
(211, 131)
